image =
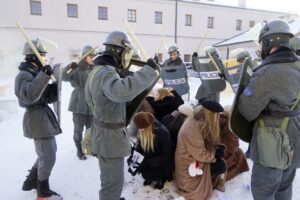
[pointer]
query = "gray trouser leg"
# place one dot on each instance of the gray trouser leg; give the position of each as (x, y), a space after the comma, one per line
(270, 183)
(46, 150)
(78, 120)
(285, 190)
(112, 178)
(81, 120)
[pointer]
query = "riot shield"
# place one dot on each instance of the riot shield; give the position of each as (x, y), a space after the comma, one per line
(235, 73)
(175, 77)
(237, 123)
(133, 106)
(57, 73)
(209, 74)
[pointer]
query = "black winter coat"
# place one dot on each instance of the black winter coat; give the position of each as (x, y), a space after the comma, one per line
(165, 106)
(159, 163)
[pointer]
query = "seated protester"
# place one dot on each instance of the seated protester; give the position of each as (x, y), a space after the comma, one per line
(198, 144)
(174, 121)
(154, 144)
(166, 101)
(234, 156)
(131, 128)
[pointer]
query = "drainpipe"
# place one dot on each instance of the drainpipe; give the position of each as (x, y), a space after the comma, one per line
(176, 11)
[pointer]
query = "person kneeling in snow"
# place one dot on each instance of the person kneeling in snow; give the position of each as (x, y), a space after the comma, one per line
(154, 144)
(234, 156)
(198, 145)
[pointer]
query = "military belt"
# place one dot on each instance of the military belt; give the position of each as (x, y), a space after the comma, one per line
(278, 114)
(109, 125)
(36, 106)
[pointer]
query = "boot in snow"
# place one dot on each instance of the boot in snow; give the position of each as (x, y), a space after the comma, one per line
(43, 191)
(31, 181)
(80, 154)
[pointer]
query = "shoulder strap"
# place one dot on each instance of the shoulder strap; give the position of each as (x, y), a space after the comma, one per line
(286, 119)
(92, 76)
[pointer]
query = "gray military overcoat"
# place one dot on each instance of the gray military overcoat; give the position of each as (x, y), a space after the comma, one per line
(77, 78)
(38, 121)
(107, 95)
(274, 87)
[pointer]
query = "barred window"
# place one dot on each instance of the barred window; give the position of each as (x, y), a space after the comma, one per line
(158, 17)
(102, 13)
(131, 15)
(72, 10)
(35, 8)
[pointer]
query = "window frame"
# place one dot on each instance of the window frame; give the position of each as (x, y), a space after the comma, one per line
(210, 22)
(238, 26)
(33, 11)
(105, 15)
(72, 5)
(188, 18)
(158, 15)
(130, 16)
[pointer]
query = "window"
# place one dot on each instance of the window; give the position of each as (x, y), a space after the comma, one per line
(160, 57)
(238, 24)
(210, 22)
(1, 58)
(35, 8)
(131, 15)
(158, 17)
(251, 23)
(102, 13)
(74, 53)
(187, 58)
(188, 20)
(72, 10)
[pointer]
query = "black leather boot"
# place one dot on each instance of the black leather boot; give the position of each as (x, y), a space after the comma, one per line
(80, 154)
(31, 182)
(43, 189)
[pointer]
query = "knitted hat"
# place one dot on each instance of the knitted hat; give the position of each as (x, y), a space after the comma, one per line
(185, 109)
(143, 119)
(212, 106)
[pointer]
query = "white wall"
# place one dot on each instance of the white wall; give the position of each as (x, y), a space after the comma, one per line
(87, 29)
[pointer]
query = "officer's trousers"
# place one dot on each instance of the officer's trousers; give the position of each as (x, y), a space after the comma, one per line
(271, 183)
(112, 178)
(45, 148)
(81, 120)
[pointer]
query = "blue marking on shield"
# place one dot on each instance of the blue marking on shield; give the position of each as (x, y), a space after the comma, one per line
(248, 92)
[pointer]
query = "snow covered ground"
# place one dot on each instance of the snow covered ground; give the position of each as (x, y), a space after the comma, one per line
(79, 180)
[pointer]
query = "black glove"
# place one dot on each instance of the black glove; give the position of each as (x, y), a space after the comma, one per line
(220, 151)
(195, 54)
(51, 93)
(47, 70)
(222, 75)
(73, 65)
(152, 64)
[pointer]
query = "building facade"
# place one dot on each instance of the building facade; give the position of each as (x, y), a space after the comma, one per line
(71, 24)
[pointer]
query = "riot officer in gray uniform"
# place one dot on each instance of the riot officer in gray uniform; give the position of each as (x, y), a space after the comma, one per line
(34, 93)
(77, 75)
(107, 93)
(174, 72)
(268, 98)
